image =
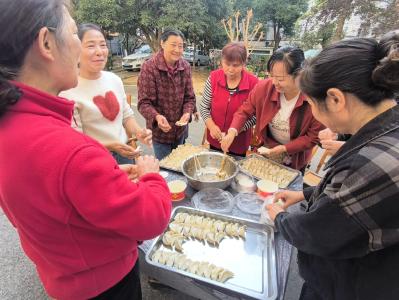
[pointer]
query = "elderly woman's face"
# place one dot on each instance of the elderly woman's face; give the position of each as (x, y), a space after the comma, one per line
(232, 69)
(173, 48)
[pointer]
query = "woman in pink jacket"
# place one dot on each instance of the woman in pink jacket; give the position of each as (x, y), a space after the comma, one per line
(78, 215)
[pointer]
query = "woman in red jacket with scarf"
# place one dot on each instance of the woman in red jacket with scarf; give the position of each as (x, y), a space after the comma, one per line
(225, 90)
(285, 122)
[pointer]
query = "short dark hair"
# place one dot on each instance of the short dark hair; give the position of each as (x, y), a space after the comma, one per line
(235, 51)
(167, 33)
(20, 22)
(292, 57)
(85, 27)
(363, 67)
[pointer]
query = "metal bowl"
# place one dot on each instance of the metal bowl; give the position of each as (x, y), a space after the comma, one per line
(210, 163)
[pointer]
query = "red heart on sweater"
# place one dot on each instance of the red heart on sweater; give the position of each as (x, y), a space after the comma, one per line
(108, 105)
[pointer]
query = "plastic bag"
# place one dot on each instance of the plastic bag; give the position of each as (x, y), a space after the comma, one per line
(249, 203)
(214, 199)
(264, 215)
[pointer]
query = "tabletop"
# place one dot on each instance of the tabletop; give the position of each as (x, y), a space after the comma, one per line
(201, 290)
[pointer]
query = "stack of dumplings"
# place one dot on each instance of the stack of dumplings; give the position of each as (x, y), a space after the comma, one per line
(181, 262)
(177, 156)
(186, 226)
(264, 169)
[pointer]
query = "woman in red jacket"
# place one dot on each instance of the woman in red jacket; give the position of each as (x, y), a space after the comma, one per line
(285, 122)
(78, 215)
(224, 92)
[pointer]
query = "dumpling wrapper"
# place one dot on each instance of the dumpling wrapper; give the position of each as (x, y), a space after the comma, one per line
(180, 123)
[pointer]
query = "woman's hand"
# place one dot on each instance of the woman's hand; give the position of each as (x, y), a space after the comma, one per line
(327, 134)
(273, 210)
(185, 118)
(227, 140)
(163, 123)
(145, 136)
(276, 150)
(215, 132)
(131, 171)
(287, 198)
(122, 149)
(331, 146)
(147, 164)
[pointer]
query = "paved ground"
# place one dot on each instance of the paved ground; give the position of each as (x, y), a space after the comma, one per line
(18, 279)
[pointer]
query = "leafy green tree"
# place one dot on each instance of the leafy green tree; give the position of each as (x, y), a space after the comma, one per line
(281, 14)
(378, 16)
(100, 12)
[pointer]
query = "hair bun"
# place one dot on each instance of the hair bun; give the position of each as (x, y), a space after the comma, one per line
(386, 73)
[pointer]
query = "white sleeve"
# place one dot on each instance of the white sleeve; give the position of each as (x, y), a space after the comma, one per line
(205, 105)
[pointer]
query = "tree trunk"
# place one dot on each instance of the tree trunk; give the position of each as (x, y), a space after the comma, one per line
(277, 37)
(194, 55)
(345, 14)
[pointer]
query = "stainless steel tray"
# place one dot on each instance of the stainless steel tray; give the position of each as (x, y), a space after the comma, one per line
(296, 172)
(252, 260)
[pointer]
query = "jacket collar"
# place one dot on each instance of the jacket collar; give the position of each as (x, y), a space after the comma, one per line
(41, 103)
(379, 126)
(161, 63)
(242, 86)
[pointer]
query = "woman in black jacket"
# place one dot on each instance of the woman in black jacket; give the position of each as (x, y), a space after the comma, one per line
(348, 239)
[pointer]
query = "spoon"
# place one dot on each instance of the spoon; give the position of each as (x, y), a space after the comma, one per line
(221, 173)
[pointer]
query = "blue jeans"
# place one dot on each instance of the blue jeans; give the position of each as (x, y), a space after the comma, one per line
(121, 160)
(162, 150)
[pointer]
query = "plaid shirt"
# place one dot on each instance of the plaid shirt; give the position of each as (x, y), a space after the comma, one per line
(348, 240)
(166, 92)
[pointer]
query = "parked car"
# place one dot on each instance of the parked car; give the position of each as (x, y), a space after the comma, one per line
(135, 60)
(200, 57)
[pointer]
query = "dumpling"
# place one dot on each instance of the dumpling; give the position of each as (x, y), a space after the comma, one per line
(181, 217)
(178, 244)
(241, 231)
(234, 229)
(193, 268)
(180, 262)
(225, 275)
(162, 258)
(228, 229)
(215, 273)
(210, 237)
(219, 236)
(203, 266)
(208, 271)
(219, 225)
(176, 227)
(170, 260)
(156, 255)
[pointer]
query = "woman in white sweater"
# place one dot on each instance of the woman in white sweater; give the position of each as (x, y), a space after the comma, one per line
(101, 110)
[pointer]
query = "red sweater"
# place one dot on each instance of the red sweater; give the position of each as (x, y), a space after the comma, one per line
(224, 106)
(77, 214)
(264, 101)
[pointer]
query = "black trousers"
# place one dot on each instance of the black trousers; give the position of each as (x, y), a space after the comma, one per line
(128, 288)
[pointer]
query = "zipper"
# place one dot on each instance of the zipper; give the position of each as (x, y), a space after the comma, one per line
(227, 109)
